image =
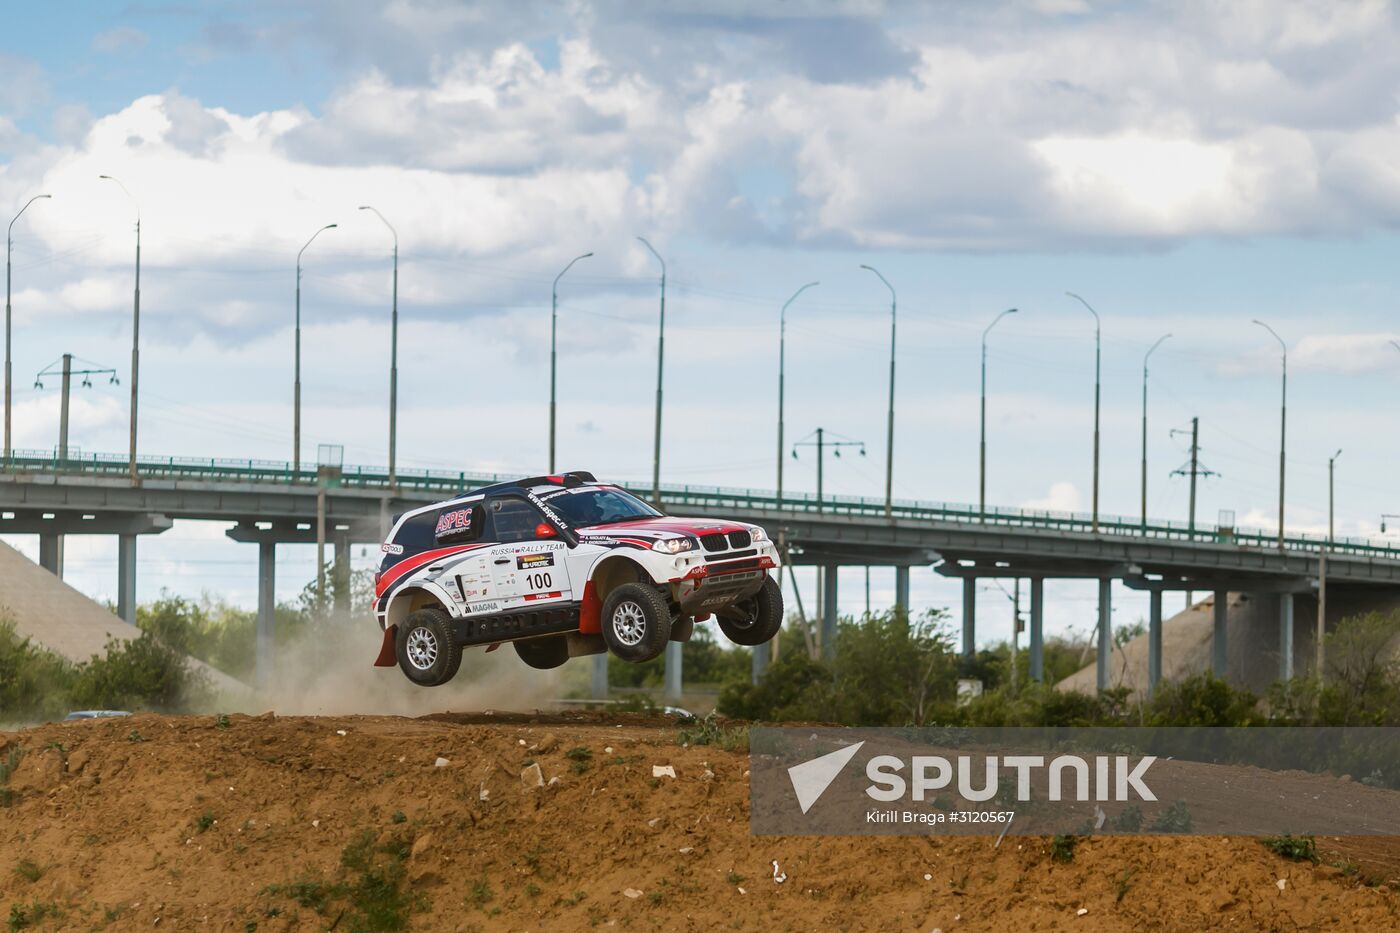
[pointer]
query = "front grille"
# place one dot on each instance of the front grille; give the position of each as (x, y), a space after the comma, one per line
(714, 542)
(718, 559)
(729, 566)
(740, 539)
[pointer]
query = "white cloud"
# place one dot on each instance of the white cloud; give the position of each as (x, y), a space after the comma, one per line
(1063, 496)
(1346, 353)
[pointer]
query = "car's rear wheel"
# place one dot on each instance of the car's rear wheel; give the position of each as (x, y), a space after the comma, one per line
(543, 653)
(636, 622)
(754, 620)
(427, 653)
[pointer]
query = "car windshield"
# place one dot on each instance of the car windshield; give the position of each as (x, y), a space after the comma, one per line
(581, 508)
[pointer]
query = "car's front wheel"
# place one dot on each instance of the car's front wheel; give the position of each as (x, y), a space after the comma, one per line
(427, 653)
(636, 622)
(755, 620)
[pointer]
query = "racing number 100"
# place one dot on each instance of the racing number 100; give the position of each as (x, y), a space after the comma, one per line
(539, 581)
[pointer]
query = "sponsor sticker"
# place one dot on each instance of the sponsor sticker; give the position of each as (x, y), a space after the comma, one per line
(391, 548)
(533, 561)
(454, 522)
(485, 607)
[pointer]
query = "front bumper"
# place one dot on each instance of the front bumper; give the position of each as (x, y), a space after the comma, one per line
(718, 592)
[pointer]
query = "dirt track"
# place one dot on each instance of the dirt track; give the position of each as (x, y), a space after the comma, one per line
(248, 824)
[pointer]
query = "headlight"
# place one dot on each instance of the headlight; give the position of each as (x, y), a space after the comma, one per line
(758, 534)
(673, 545)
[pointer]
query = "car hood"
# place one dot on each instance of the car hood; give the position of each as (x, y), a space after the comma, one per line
(666, 527)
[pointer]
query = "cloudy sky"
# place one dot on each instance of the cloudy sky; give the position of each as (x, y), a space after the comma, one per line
(1187, 167)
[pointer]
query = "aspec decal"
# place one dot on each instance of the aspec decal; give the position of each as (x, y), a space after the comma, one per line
(454, 521)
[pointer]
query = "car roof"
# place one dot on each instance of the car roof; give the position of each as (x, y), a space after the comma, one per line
(532, 483)
(572, 479)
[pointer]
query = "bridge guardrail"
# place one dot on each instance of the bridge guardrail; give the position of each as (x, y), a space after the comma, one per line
(448, 483)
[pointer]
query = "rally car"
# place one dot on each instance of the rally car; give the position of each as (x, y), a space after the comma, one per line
(562, 566)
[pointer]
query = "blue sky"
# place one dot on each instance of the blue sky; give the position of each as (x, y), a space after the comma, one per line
(1186, 167)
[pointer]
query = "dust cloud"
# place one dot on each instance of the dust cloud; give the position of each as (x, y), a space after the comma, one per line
(329, 671)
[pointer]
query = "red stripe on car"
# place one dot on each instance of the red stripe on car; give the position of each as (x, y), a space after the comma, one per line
(410, 564)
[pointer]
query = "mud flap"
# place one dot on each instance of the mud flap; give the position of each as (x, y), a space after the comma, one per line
(387, 656)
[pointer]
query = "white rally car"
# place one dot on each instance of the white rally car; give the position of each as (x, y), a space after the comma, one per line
(563, 566)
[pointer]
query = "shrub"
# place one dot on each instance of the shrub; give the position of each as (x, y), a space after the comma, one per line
(1295, 848)
(33, 681)
(1174, 819)
(1202, 700)
(1062, 848)
(143, 672)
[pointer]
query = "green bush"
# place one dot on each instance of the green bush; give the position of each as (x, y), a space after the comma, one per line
(1202, 700)
(886, 671)
(1361, 686)
(1295, 848)
(33, 681)
(141, 673)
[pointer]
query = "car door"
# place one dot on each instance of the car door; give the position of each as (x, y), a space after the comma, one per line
(528, 562)
(462, 568)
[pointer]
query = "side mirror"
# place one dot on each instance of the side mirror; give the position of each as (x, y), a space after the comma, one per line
(544, 530)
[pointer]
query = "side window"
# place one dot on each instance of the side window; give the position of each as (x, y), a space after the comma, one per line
(514, 520)
(414, 537)
(459, 524)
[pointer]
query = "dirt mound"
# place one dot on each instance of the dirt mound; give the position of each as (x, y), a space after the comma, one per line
(456, 822)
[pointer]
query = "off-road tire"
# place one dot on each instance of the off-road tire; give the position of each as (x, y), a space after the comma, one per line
(636, 622)
(543, 654)
(428, 654)
(755, 620)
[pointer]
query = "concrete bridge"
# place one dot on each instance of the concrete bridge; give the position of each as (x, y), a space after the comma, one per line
(266, 503)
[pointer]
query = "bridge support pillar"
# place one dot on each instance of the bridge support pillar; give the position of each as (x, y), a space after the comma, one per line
(762, 654)
(901, 586)
(126, 578)
(51, 554)
(1154, 640)
(341, 570)
(598, 681)
(1038, 629)
(1105, 631)
(969, 619)
(829, 612)
(1219, 657)
(674, 686)
(1285, 646)
(267, 608)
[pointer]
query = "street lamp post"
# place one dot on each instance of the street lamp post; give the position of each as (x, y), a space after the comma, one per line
(782, 352)
(296, 379)
(1145, 358)
(1331, 494)
(135, 324)
(553, 331)
(393, 355)
(1283, 425)
(889, 429)
(9, 246)
(982, 465)
(1098, 356)
(660, 362)
(1321, 636)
